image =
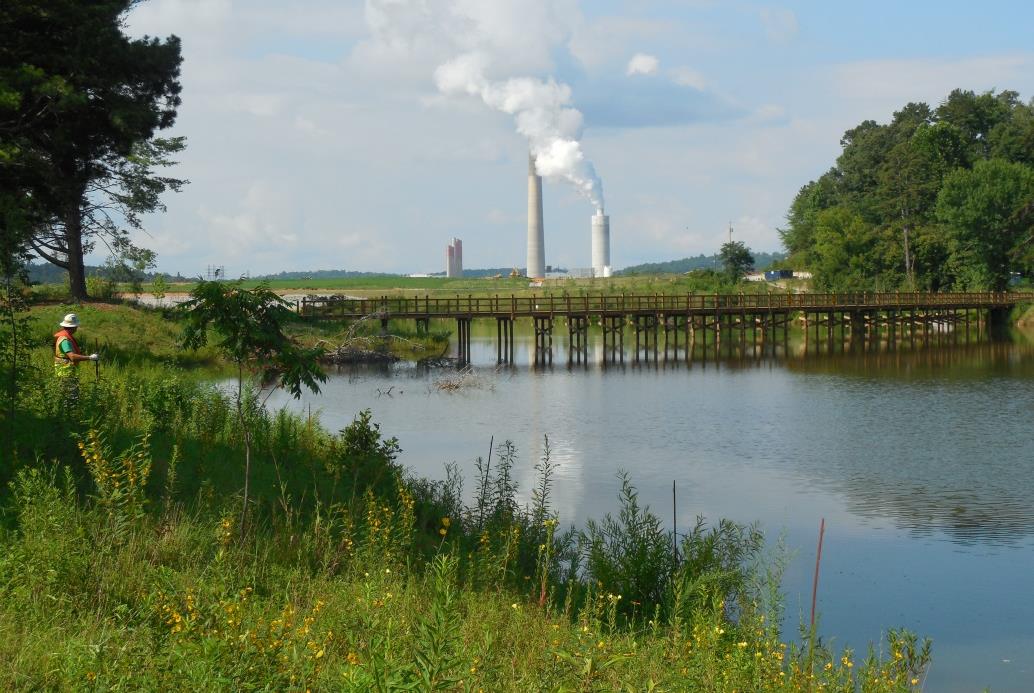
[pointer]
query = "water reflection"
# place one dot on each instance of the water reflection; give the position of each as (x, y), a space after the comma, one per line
(934, 441)
(921, 461)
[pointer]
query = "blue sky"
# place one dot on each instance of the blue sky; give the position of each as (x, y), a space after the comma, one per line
(317, 138)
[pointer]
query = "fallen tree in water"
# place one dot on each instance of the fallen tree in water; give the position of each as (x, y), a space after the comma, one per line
(359, 347)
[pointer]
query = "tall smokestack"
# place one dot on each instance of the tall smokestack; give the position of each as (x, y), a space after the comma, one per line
(600, 244)
(536, 234)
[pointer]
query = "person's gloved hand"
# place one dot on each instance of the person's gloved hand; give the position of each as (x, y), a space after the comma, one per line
(94, 357)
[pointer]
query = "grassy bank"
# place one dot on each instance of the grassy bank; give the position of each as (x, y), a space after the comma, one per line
(701, 281)
(123, 563)
(125, 333)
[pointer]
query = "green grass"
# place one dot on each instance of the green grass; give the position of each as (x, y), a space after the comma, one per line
(123, 564)
(125, 333)
(704, 282)
(121, 332)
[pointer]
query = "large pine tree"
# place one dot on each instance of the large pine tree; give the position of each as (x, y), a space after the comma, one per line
(80, 104)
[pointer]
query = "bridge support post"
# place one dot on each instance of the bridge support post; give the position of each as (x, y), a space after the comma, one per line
(543, 340)
(463, 341)
(504, 340)
(577, 339)
(857, 329)
(997, 323)
(647, 328)
(690, 337)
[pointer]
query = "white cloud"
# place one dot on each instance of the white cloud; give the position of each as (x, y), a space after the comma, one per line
(780, 24)
(642, 64)
(314, 143)
(898, 82)
(768, 113)
(687, 77)
(262, 221)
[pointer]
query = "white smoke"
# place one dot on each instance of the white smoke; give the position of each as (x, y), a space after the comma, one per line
(488, 42)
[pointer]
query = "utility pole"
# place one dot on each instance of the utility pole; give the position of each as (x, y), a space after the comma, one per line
(730, 231)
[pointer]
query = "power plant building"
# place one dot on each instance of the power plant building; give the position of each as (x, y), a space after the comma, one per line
(454, 258)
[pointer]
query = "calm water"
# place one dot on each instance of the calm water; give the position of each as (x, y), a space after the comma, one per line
(922, 464)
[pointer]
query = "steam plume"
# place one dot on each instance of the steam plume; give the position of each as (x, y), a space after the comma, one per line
(485, 49)
(542, 111)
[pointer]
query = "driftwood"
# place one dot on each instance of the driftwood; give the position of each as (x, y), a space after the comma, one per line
(464, 379)
(366, 349)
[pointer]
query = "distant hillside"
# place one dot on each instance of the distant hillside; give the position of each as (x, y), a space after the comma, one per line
(46, 273)
(688, 264)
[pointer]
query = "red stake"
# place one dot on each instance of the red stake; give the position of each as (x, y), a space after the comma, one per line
(815, 584)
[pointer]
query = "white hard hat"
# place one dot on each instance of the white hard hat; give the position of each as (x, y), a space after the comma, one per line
(71, 320)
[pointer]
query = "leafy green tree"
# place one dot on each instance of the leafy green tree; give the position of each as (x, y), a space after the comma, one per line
(908, 182)
(249, 331)
(887, 182)
(159, 287)
(985, 210)
(799, 235)
(1013, 139)
(845, 251)
(736, 260)
(83, 102)
(976, 116)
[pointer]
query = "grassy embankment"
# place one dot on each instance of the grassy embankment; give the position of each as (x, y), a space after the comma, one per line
(699, 282)
(121, 565)
(125, 334)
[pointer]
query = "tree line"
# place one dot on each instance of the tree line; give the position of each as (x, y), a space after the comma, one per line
(937, 199)
(698, 262)
(81, 104)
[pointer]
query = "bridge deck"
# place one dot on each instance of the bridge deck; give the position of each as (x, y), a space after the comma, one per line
(420, 308)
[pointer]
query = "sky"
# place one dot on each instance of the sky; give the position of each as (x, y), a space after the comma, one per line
(356, 135)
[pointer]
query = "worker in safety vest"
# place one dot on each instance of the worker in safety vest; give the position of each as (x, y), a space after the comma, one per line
(67, 353)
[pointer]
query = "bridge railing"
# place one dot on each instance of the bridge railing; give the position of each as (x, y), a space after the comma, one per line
(621, 304)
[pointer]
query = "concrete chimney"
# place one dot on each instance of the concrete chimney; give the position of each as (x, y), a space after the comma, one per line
(600, 244)
(536, 233)
(457, 244)
(450, 261)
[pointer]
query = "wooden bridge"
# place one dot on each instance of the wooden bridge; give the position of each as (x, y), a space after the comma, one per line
(701, 318)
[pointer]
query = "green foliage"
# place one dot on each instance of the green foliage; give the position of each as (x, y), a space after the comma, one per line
(138, 583)
(123, 572)
(159, 287)
(80, 103)
(844, 251)
(697, 262)
(736, 260)
(983, 211)
(630, 556)
(249, 330)
(365, 457)
(917, 205)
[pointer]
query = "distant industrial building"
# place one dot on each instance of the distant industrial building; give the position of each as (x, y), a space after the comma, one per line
(454, 258)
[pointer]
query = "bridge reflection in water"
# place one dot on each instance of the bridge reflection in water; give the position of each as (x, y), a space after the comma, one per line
(689, 327)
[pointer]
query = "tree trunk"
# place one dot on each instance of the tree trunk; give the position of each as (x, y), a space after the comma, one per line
(908, 261)
(74, 243)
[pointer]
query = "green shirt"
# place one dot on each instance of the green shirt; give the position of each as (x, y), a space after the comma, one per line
(66, 346)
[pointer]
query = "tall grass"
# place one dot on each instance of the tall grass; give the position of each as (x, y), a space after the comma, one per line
(121, 566)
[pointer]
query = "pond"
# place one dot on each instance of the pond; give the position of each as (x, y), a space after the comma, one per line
(921, 462)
